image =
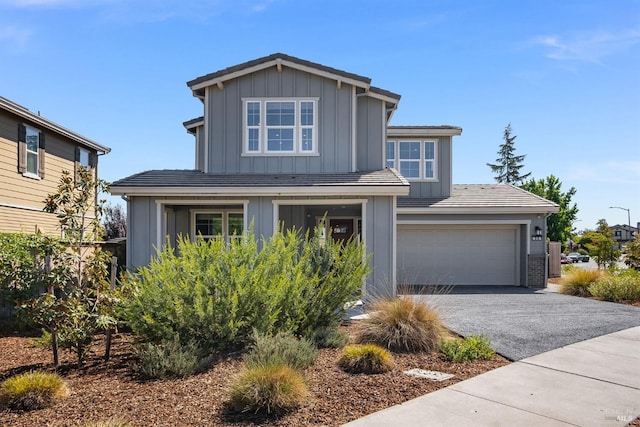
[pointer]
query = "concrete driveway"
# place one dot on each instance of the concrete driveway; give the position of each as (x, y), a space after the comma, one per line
(522, 322)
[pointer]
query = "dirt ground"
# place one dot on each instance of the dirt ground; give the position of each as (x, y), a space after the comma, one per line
(102, 390)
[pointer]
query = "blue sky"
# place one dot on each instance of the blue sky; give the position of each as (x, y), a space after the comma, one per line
(565, 74)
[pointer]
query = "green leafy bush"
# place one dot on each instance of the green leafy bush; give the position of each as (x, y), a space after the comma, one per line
(473, 347)
(577, 281)
(329, 337)
(43, 341)
(170, 358)
(35, 390)
(217, 292)
(402, 324)
(22, 266)
(365, 359)
(110, 422)
(622, 287)
(271, 389)
(282, 348)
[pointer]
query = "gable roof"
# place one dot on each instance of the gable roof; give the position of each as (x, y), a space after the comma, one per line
(480, 198)
(25, 114)
(195, 182)
(276, 59)
(198, 84)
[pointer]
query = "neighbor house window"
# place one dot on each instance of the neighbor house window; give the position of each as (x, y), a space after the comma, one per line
(33, 147)
(217, 224)
(280, 126)
(83, 157)
(30, 151)
(415, 160)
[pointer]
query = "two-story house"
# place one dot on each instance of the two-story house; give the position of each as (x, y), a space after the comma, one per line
(287, 141)
(33, 153)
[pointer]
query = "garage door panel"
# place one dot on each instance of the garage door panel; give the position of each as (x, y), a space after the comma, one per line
(461, 256)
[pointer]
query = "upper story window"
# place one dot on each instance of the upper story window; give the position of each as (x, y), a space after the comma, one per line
(31, 149)
(415, 160)
(83, 157)
(280, 126)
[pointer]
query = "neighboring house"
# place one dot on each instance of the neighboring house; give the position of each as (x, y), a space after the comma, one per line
(33, 153)
(623, 233)
(284, 140)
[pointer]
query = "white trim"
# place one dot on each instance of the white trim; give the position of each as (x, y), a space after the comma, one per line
(478, 210)
(197, 148)
(354, 134)
(420, 133)
(205, 169)
(27, 208)
(202, 201)
(275, 62)
(159, 209)
(363, 240)
(195, 124)
(465, 222)
(316, 202)
(31, 176)
(263, 128)
(394, 245)
(381, 97)
(384, 136)
(318, 190)
(421, 161)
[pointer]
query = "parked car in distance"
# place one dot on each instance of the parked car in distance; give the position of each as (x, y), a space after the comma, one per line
(578, 257)
(565, 259)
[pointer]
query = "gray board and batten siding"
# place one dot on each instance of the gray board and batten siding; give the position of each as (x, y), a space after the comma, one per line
(334, 123)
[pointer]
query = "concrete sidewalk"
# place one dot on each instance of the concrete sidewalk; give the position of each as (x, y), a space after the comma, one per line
(590, 383)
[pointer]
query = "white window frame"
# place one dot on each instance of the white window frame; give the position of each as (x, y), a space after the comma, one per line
(225, 223)
(263, 129)
(422, 161)
(32, 131)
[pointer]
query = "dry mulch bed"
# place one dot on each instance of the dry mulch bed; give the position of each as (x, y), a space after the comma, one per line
(102, 390)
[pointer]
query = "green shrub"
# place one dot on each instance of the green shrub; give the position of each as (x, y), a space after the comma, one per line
(281, 349)
(270, 389)
(35, 390)
(623, 287)
(170, 358)
(365, 359)
(330, 337)
(577, 281)
(402, 324)
(110, 422)
(473, 347)
(22, 259)
(216, 292)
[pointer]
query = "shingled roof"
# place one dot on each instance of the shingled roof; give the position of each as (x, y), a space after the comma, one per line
(30, 116)
(194, 181)
(479, 196)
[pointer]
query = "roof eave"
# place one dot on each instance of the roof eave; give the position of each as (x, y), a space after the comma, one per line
(45, 123)
(314, 190)
(460, 210)
(198, 85)
(430, 131)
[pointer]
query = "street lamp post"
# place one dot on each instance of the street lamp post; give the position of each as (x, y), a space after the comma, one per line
(628, 220)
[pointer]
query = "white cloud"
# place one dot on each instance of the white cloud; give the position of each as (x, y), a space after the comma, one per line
(592, 47)
(14, 36)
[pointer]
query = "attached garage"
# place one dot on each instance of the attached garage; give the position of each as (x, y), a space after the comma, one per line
(458, 254)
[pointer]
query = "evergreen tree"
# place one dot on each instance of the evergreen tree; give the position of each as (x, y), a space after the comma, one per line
(508, 165)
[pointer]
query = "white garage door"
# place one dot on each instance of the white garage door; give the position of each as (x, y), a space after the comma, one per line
(458, 255)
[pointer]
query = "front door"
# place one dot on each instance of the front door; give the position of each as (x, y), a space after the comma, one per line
(341, 228)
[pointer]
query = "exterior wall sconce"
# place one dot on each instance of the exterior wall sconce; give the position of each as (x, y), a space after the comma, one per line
(538, 234)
